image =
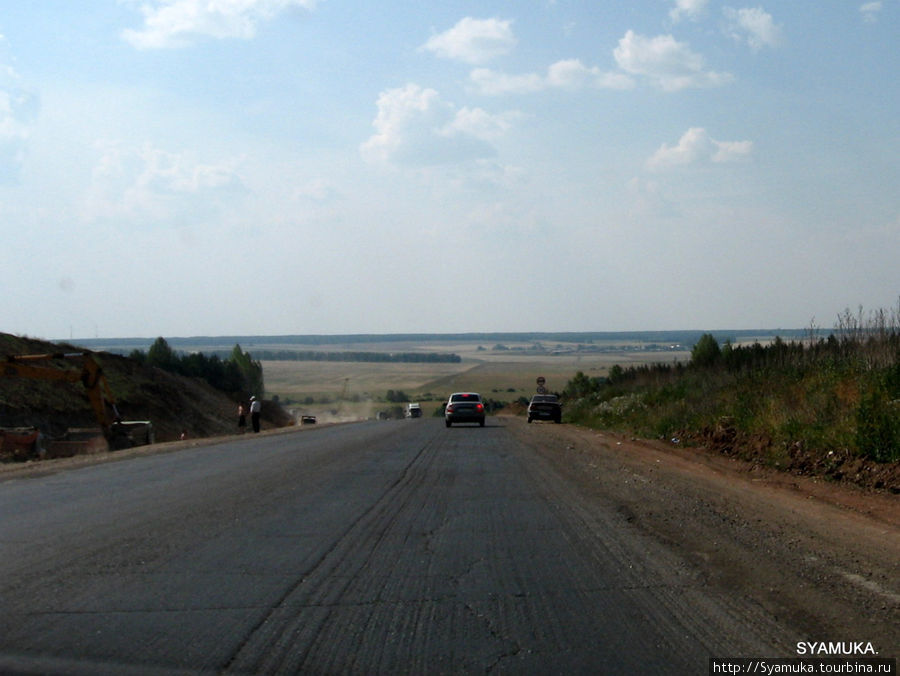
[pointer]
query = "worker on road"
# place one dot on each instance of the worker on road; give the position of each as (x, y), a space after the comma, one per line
(255, 408)
(242, 419)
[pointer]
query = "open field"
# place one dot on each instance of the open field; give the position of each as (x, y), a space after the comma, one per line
(343, 390)
(299, 380)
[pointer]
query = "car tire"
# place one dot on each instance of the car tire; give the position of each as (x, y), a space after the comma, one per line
(529, 418)
(447, 423)
(481, 423)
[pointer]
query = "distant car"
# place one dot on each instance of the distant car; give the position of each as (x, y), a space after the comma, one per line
(464, 407)
(413, 410)
(308, 420)
(545, 407)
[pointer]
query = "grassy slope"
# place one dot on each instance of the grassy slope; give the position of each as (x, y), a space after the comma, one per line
(804, 414)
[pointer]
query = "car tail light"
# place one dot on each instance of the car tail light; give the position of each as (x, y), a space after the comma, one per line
(480, 407)
(449, 408)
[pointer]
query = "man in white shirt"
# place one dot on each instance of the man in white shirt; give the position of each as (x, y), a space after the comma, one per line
(255, 408)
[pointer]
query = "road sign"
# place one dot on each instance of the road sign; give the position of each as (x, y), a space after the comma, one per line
(541, 381)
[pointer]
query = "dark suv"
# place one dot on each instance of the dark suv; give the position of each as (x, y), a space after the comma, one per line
(464, 407)
(545, 407)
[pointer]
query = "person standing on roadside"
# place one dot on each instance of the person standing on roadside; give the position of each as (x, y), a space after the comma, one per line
(242, 419)
(255, 408)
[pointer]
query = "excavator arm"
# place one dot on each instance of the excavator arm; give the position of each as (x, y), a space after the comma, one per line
(91, 377)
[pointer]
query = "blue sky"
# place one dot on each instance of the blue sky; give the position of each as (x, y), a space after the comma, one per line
(221, 167)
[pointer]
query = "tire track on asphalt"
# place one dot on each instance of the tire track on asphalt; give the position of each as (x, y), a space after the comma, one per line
(270, 646)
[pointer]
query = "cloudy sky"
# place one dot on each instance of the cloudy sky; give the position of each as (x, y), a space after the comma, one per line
(222, 167)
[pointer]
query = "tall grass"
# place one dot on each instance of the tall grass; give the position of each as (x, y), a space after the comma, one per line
(840, 393)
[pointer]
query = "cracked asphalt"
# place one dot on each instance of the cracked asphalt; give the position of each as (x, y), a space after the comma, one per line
(379, 547)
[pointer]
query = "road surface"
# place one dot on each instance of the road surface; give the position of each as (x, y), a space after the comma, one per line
(379, 547)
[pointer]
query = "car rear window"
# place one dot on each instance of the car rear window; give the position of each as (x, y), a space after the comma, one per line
(465, 397)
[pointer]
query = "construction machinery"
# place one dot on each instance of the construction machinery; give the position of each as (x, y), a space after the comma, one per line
(113, 432)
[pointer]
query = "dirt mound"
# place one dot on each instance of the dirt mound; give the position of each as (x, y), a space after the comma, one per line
(174, 404)
(837, 465)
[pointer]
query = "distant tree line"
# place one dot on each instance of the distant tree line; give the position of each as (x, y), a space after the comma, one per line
(238, 374)
(387, 357)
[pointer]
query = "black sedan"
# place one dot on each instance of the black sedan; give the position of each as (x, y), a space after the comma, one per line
(545, 407)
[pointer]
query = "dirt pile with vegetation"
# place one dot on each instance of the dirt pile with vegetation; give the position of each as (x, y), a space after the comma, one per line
(175, 404)
(822, 407)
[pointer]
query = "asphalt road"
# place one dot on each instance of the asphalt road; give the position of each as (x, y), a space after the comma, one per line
(379, 547)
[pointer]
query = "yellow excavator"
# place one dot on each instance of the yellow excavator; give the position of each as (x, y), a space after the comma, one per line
(113, 434)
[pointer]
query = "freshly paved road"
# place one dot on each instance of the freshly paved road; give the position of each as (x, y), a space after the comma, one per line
(379, 547)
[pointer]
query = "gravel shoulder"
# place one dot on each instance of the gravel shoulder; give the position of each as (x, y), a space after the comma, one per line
(820, 557)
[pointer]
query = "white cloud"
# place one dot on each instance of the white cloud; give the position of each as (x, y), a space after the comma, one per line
(492, 82)
(569, 74)
(414, 126)
(174, 23)
(667, 63)
(646, 198)
(754, 26)
(15, 130)
(18, 110)
(572, 74)
(697, 147)
(316, 190)
(478, 123)
(150, 185)
(690, 9)
(870, 11)
(473, 41)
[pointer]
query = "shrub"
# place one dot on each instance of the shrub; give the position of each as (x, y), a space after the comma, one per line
(706, 352)
(878, 426)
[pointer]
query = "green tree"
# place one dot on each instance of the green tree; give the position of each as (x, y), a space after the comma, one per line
(580, 385)
(251, 371)
(162, 355)
(706, 352)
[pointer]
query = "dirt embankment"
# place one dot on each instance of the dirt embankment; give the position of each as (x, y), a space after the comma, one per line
(838, 465)
(822, 555)
(174, 404)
